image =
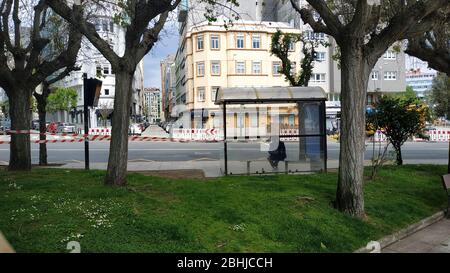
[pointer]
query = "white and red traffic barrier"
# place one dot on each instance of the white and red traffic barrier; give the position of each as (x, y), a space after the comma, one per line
(440, 135)
(81, 138)
(100, 131)
(193, 134)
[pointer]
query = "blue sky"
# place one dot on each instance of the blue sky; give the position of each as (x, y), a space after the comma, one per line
(167, 44)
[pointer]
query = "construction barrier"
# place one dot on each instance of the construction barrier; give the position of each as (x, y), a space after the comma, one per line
(379, 136)
(100, 131)
(82, 137)
(440, 135)
(197, 134)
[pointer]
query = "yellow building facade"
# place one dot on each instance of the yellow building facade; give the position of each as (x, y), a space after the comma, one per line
(237, 56)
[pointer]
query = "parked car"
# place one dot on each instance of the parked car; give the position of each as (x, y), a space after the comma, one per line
(35, 124)
(135, 129)
(5, 125)
(65, 128)
(52, 127)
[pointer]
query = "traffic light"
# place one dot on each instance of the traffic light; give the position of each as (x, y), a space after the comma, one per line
(92, 91)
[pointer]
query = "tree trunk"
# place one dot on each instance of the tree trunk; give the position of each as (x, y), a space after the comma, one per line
(20, 113)
(118, 151)
(398, 151)
(355, 73)
(42, 103)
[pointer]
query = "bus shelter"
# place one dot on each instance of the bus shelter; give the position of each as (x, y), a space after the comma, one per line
(272, 130)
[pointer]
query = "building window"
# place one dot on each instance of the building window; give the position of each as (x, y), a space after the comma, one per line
(390, 75)
(390, 55)
(200, 42)
(254, 120)
(106, 92)
(320, 56)
(293, 68)
(276, 68)
(215, 68)
(240, 40)
(214, 90)
(240, 67)
(97, 24)
(99, 70)
(256, 67)
(375, 75)
(291, 120)
(315, 36)
(105, 25)
(201, 93)
(215, 42)
(318, 77)
(106, 70)
(256, 41)
(111, 26)
(200, 69)
(291, 45)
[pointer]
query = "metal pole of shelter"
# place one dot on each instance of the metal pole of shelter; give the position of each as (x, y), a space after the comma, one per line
(323, 126)
(86, 123)
(225, 148)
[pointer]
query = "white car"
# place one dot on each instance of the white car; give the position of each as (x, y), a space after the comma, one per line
(65, 128)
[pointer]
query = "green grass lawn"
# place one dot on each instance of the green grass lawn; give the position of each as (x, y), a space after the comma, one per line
(41, 211)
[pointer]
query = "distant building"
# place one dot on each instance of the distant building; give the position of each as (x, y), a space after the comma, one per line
(167, 87)
(211, 56)
(420, 81)
(96, 66)
(388, 75)
(152, 104)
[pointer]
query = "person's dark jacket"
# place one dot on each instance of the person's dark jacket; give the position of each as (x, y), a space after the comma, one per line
(280, 153)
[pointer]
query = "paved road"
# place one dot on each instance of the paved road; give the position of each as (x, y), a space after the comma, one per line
(417, 152)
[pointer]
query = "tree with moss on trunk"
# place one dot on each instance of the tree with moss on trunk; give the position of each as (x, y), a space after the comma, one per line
(363, 31)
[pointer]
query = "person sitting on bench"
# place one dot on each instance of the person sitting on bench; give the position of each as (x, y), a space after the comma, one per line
(277, 155)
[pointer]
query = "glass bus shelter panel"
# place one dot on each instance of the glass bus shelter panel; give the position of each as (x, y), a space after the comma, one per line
(254, 134)
(252, 157)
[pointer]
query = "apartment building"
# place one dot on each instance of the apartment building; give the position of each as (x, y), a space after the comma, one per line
(235, 57)
(420, 81)
(212, 56)
(387, 76)
(152, 104)
(167, 87)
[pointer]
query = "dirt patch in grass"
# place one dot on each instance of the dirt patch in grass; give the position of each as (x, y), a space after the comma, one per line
(175, 174)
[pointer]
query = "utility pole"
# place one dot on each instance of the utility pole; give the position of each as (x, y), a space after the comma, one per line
(86, 122)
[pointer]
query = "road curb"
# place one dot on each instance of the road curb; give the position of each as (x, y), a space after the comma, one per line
(393, 238)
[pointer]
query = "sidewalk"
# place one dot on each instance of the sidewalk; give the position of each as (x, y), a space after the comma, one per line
(155, 131)
(211, 168)
(432, 239)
